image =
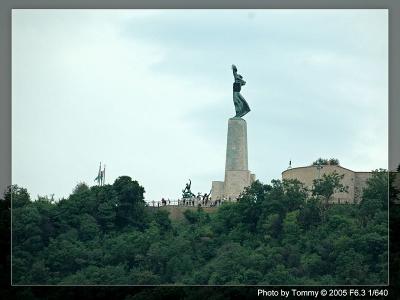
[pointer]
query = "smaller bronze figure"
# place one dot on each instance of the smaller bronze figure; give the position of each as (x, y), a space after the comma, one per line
(205, 196)
(241, 105)
(187, 193)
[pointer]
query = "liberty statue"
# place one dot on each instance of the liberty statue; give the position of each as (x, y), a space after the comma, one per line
(241, 105)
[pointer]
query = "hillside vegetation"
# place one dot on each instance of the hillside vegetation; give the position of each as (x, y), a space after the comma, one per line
(275, 234)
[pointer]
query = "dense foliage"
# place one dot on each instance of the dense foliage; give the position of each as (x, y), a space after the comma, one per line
(326, 162)
(275, 234)
(328, 185)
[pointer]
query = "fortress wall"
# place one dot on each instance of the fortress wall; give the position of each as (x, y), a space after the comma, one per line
(307, 174)
(304, 174)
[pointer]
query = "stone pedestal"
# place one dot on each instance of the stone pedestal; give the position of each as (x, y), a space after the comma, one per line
(236, 146)
(235, 182)
(237, 175)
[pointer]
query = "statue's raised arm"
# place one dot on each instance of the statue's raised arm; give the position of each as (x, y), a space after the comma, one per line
(234, 70)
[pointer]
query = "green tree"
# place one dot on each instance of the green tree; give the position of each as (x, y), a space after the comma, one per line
(88, 227)
(311, 263)
(310, 215)
(130, 207)
(39, 273)
(273, 225)
(333, 161)
(375, 196)
(107, 204)
(191, 216)
(351, 268)
(291, 228)
(90, 275)
(325, 162)
(81, 187)
(26, 231)
(321, 161)
(5, 241)
(272, 235)
(295, 194)
(106, 213)
(328, 185)
(19, 196)
(162, 219)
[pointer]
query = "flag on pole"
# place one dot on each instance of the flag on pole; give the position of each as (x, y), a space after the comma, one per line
(98, 174)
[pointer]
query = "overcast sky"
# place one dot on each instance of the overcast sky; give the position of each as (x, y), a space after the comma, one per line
(149, 93)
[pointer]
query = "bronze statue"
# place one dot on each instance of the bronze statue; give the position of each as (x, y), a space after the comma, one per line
(187, 193)
(241, 105)
(205, 196)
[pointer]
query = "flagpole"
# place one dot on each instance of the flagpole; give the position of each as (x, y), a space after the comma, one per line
(104, 173)
(99, 175)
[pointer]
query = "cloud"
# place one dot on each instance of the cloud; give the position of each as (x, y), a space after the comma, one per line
(149, 93)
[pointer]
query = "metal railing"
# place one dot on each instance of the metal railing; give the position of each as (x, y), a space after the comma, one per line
(190, 202)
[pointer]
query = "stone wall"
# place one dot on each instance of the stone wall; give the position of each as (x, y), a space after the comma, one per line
(355, 181)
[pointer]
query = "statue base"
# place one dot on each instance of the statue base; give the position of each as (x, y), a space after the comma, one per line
(237, 175)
